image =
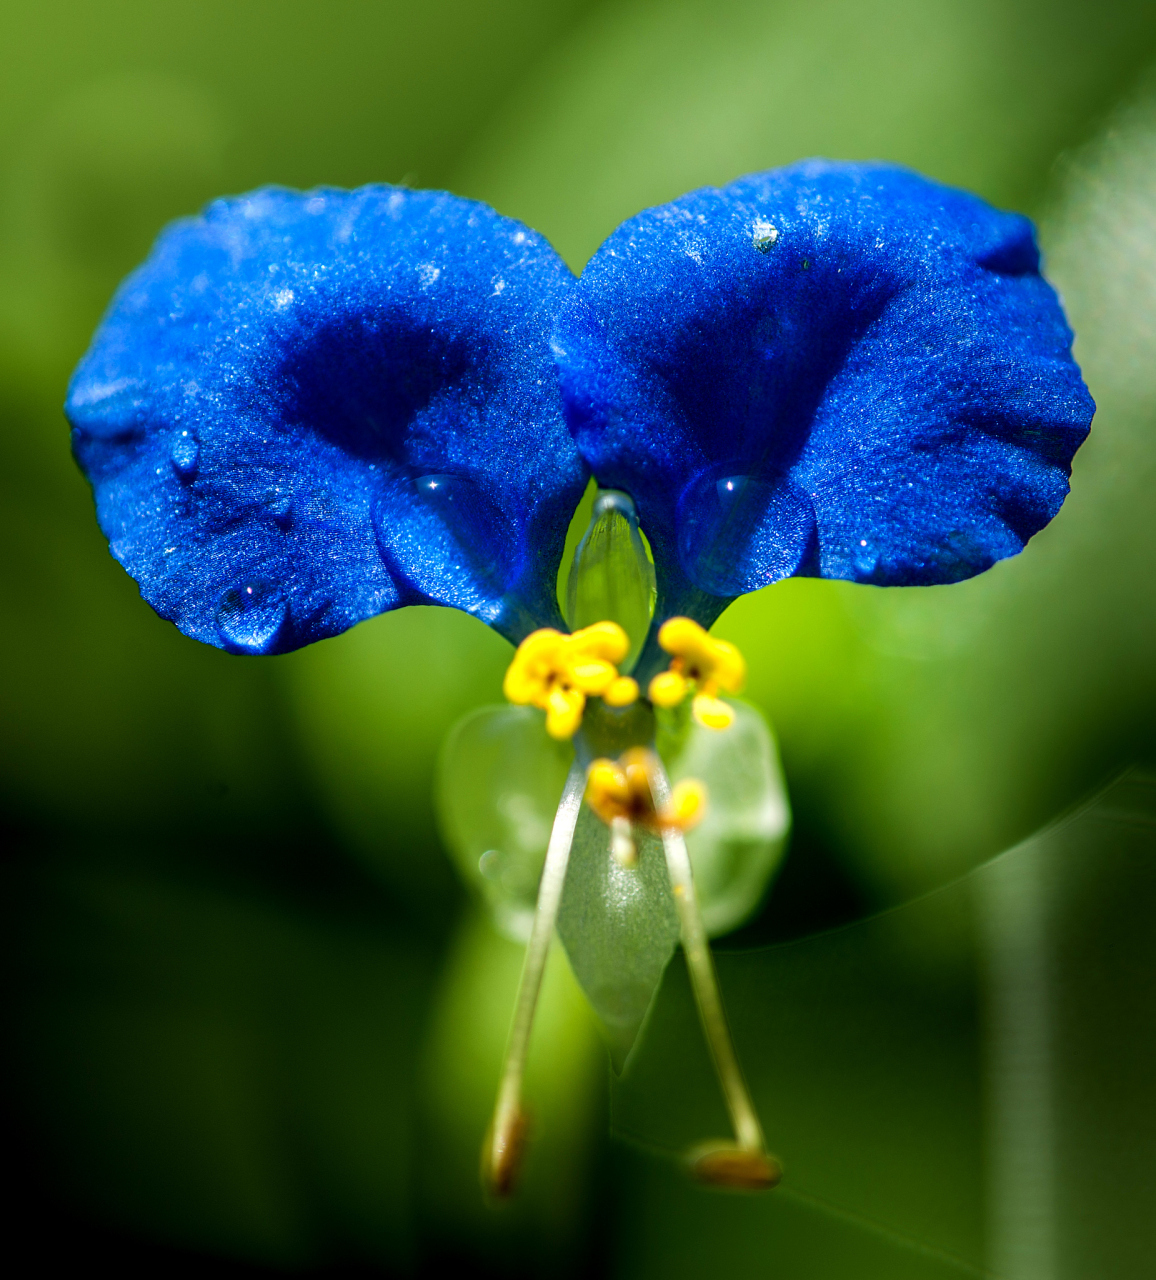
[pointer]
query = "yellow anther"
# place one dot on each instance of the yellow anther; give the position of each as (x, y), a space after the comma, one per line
(622, 692)
(713, 713)
(701, 662)
(668, 689)
(621, 792)
(687, 803)
(558, 673)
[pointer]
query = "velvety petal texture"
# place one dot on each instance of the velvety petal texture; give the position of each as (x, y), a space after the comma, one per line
(835, 370)
(307, 408)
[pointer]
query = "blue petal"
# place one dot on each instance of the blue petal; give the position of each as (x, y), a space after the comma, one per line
(835, 370)
(305, 409)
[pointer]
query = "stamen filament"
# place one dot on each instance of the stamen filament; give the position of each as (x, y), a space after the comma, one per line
(501, 1155)
(757, 1169)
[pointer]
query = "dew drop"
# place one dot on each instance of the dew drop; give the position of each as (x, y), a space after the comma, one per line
(281, 509)
(186, 455)
(763, 235)
(739, 532)
(250, 617)
(441, 489)
(729, 488)
(865, 561)
(490, 864)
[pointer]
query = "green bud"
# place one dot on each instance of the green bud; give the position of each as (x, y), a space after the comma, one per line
(612, 577)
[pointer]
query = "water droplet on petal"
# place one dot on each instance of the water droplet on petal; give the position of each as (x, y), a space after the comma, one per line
(763, 234)
(441, 489)
(186, 455)
(281, 509)
(250, 617)
(443, 534)
(865, 561)
(741, 532)
(471, 519)
(731, 487)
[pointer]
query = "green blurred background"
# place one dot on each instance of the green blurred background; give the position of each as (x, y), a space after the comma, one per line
(253, 1022)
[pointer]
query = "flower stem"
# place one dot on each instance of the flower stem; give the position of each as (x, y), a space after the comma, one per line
(749, 1165)
(501, 1154)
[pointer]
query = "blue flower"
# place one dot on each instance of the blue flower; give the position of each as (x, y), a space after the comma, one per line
(306, 409)
(833, 370)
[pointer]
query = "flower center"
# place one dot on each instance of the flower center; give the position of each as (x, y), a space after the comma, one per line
(558, 673)
(626, 786)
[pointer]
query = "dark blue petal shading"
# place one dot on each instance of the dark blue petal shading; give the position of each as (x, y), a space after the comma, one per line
(307, 408)
(835, 370)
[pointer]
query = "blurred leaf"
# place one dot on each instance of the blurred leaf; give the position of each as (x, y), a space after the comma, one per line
(935, 1098)
(111, 163)
(650, 98)
(372, 708)
(360, 92)
(499, 780)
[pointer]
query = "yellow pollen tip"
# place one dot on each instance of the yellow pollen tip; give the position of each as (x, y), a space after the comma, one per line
(607, 790)
(726, 1164)
(558, 673)
(621, 692)
(667, 689)
(712, 713)
(687, 804)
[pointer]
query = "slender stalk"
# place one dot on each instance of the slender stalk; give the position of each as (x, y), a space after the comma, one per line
(704, 982)
(501, 1154)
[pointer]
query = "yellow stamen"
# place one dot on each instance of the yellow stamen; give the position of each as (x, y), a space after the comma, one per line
(713, 713)
(668, 689)
(687, 803)
(701, 662)
(621, 693)
(621, 793)
(558, 673)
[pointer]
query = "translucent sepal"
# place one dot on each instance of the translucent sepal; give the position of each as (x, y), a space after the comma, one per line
(738, 846)
(619, 927)
(499, 780)
(612, 577)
